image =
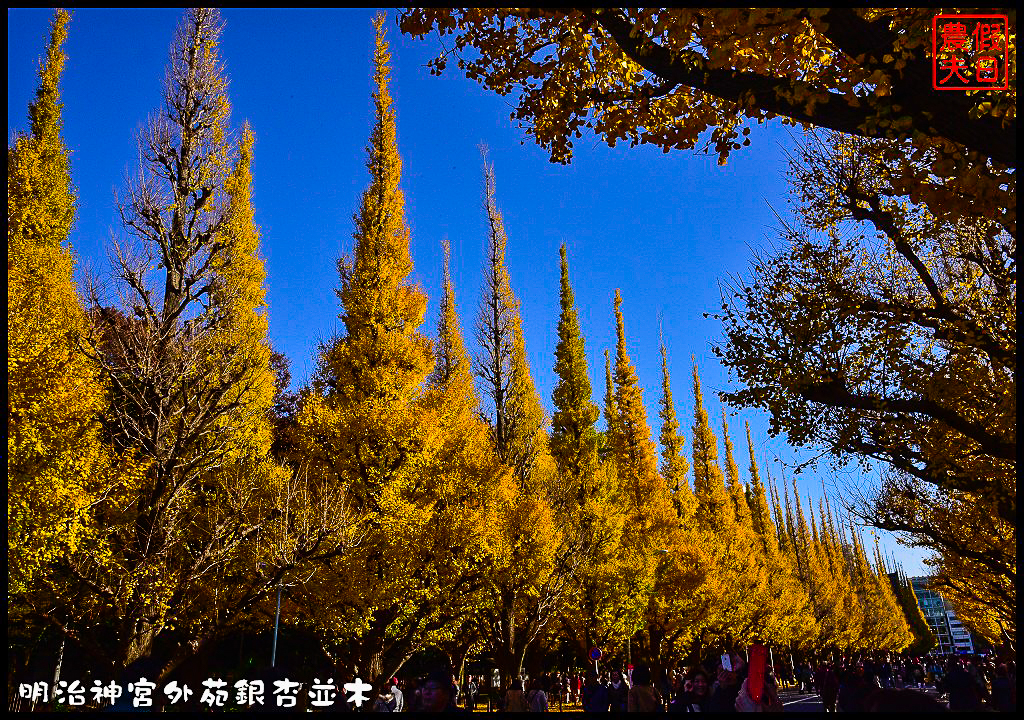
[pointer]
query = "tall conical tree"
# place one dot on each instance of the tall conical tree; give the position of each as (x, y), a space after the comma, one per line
(884, 627)
(383, 357)
(714, 507)
(245, 487)
(835, 606)
(653, 539)
(574, 438)
(732, 473)
(464, 462)
(189, 379)
(464, 484)
(923, 638)
(781, 535)
(525, 585)
(674, 466)
(790, 620)
(53, 393)
(611, 412)
(789, 532)
(761, 517)
(363, 429)
(240, 295)
(803, 542)
(645, 494)
(517, 429)
(453, 370)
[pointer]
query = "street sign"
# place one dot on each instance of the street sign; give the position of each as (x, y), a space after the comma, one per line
(595, 654)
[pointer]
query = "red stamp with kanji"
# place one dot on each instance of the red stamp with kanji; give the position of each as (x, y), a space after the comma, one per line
(970, 52)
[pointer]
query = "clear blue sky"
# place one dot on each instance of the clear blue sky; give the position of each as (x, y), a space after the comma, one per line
(664, 228)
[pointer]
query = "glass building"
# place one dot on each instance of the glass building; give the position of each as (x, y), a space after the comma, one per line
(953, 638)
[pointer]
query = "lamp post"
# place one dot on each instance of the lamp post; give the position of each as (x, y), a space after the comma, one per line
(277, 620)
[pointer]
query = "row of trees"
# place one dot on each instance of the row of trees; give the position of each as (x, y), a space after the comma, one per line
(883, 326)
(161, 483)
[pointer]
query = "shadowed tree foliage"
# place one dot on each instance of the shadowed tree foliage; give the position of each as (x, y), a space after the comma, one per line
(924, 638)
(735, 487)
(887, 334)
(714, 507)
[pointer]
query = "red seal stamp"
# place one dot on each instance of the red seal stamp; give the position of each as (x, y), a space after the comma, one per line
(970, 52)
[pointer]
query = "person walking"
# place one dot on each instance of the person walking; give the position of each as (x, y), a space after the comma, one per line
(828, 687)
(537, 699)
(515, 699)
(642, 697)
(594, 695)
(469, 691)
(618, 693)
(397, 697)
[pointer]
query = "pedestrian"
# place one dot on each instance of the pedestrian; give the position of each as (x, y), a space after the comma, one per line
(642, 697)
(1004, 693)
(770, 700)
(893, 700)
(415, 695)
(806, 677)
(696, 693)
(537, 699)
(962, 689)
(854, 689)
(594, 695)
(727, 685)
(618, 693)
(397, 697)
(382, 696)
(469, 691)
(438, 691)
(885, 673)
(828, 686)
(515, 699)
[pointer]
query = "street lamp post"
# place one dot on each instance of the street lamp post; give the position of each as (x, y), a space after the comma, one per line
(277, 620)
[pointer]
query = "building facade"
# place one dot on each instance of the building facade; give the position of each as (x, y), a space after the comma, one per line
(953, 638)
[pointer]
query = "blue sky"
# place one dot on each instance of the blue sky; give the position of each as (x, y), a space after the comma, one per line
(664, 228)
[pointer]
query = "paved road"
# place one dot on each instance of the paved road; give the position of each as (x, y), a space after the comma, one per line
(796, 701)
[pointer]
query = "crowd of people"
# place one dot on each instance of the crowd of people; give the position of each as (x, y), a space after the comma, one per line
(847, 684)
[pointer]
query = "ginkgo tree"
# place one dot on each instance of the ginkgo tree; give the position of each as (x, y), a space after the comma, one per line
(390, 425)
(182, 350)
(54, 392)
(931, 175)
